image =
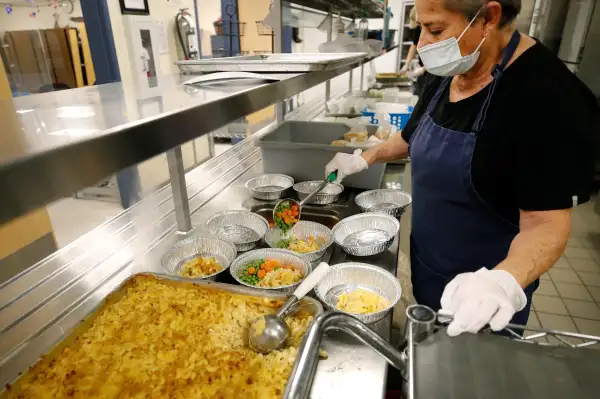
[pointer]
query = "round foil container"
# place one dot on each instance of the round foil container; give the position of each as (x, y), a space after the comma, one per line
(366, 234)
(270, 186)
(390, 202)
(328, 195)
(282, 255)
(302, 230)
(198, 246)
(244, 229)
(347, 277)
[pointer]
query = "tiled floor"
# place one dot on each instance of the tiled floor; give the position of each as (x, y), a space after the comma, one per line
(569, 295)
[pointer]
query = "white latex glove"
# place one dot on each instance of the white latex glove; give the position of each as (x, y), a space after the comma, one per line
(416, 72)
(403, 70)
(484, 297)
(346, 164)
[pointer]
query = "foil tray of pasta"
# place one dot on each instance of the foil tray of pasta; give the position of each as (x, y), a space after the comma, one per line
(159, 337)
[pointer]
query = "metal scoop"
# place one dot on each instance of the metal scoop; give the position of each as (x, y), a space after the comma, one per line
(290, 202)
(270, 332)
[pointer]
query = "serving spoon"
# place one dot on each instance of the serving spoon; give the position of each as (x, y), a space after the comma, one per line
(269, 332)
(288, 202)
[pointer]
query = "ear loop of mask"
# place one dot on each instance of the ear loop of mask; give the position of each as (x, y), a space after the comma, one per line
(468, 26)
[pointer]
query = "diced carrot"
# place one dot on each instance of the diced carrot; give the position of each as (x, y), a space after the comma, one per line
(261, 274)
(251, 270)
(262, 266)
(271, 224)
(294, 207)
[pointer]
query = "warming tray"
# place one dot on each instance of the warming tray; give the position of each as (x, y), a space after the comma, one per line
(308, 304)
(299, 62)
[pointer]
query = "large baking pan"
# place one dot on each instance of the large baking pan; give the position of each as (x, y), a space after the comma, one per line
(308, 304)
(299, 62)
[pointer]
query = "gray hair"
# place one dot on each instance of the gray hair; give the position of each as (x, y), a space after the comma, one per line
(469, 8)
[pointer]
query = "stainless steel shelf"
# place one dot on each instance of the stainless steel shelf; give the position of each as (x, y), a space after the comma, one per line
(72, 139)
(347, 8)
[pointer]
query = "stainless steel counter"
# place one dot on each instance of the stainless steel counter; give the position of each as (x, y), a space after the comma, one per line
(39, 306)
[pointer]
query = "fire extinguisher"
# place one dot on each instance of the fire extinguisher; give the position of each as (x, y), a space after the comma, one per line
(186, 32)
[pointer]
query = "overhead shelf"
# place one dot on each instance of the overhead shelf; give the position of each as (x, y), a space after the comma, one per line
(347, 8)
(72, 139)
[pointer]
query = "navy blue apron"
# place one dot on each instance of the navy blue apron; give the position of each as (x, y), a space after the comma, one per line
(454, 231)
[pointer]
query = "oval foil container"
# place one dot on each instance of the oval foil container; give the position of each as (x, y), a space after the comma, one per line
(353, 274)
(198, 246)
(269, 187)
(302, 230)
(283, 255)
(244, 229)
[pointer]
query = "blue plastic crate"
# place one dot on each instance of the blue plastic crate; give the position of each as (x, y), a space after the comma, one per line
(398, 120)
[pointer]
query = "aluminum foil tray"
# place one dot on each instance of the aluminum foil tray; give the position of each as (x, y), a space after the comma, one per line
(299, 62)
(282, 255)
(192, 247)
(346, 277)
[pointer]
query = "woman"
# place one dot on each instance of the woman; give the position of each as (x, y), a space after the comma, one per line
(501, 147)
(418, 73)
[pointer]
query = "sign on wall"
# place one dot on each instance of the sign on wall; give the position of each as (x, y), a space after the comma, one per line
(135, 7)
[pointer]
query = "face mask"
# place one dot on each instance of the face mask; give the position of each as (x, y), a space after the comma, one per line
(444, 58)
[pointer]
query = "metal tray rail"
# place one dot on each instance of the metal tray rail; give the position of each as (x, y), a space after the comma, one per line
(299, 62)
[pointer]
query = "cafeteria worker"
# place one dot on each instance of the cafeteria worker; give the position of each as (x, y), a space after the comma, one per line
(501, 149)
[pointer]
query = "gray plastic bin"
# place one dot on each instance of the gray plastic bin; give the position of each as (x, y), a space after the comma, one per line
(302, 149)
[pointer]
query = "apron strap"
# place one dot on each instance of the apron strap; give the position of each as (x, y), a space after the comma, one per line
(438, 95)
(497, 71)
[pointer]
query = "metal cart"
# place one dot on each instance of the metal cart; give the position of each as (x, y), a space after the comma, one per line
(483, 365)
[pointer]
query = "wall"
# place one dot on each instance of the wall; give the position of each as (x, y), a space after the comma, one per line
(208, 12)
(19, 19)
(154, 172)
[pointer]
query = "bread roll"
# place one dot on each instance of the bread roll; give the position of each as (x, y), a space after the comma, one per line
(356, 136)
(339, 143)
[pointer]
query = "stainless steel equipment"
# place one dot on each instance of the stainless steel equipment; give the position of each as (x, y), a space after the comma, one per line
(269, 332)
(585, 20)
(435, 365)
(54, 151)
(296, 62)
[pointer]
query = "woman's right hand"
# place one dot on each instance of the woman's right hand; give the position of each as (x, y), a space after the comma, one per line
(346, 164)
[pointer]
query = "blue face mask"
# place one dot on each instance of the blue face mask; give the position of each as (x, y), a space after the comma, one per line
(444, 58)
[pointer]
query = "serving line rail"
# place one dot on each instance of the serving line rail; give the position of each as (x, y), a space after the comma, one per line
(56, 157)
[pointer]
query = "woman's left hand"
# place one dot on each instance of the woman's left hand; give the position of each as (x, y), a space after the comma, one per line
(484, 297)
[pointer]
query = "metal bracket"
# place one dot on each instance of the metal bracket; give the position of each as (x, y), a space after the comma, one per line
(179, 188)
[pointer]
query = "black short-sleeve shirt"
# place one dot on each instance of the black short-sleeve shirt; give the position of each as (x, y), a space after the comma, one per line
(536, 150)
